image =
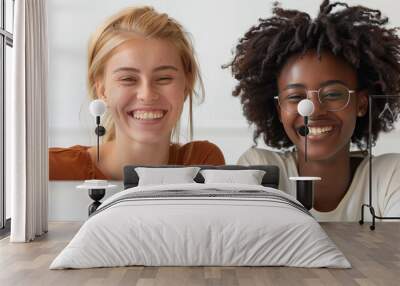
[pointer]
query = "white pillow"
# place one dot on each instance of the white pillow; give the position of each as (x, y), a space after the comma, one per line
(248, 177)
(162, 176)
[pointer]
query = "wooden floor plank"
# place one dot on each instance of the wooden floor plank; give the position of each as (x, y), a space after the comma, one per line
(374, 255)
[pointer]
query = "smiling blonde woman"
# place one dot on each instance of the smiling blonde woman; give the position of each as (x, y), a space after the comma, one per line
(142, 64)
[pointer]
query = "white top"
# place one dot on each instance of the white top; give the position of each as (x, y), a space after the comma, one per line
(385, 184)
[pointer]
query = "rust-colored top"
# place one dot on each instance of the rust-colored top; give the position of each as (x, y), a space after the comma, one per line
(74, 163)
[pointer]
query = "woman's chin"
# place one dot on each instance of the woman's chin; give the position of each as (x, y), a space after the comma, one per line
(318, 153)
(148, 137)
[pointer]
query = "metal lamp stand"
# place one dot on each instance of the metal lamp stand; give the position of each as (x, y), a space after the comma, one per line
(96, 188)
(97, 194)
(369, 205)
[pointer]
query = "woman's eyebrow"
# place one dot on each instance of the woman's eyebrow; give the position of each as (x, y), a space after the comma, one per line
(323, 84)
(294, 85)
(126, 69)
(165, 67)
(160, 68)
(329, 82)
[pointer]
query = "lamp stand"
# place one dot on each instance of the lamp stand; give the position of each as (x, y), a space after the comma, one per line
(97, 194)
(369, 205)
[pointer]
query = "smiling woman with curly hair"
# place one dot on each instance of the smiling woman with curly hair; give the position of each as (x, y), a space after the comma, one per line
(336, 60)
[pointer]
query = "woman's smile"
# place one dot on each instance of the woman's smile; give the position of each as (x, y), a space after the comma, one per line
(146, 118)
(147, 115)
(319, 131)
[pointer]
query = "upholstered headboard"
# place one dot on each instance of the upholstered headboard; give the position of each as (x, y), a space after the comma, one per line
(270, 179)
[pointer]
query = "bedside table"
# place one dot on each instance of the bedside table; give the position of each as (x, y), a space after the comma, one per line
(96, 190)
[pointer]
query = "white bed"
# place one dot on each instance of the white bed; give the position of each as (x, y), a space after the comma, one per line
(201, 224)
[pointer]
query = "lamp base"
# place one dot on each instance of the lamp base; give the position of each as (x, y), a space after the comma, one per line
(96, 195)
(305, 190)
(305, 193)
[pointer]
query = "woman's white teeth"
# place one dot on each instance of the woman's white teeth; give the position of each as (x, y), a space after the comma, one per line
(147, 115)
(319, 130)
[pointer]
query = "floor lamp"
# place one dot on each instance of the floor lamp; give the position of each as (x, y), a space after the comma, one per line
(369, 205)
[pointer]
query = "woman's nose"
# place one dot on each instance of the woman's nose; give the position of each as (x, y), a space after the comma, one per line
(146, 93)
(318, 106)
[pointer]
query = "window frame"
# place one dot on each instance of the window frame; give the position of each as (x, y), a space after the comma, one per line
(6, 39)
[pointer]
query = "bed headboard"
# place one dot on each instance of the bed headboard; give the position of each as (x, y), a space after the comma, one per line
(270, 179)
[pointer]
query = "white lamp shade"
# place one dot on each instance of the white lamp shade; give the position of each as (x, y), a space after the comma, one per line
(305, 107)
(97, 107)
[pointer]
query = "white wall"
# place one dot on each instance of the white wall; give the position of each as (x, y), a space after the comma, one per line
(215, 27)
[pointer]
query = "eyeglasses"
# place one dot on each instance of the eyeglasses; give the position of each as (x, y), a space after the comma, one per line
(333, 97)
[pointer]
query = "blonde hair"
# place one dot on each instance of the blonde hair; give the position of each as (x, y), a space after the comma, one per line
(148, 23)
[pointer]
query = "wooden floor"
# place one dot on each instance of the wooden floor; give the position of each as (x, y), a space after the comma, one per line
(374, 255)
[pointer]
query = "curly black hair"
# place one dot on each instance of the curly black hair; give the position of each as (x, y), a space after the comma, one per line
(355, 33)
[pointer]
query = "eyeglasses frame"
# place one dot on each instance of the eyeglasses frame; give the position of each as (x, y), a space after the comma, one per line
(308, 91)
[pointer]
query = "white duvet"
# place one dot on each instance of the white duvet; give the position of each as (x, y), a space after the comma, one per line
(185, 230)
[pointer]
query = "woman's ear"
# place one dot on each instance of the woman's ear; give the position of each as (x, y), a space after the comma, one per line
(278, 110)
(100, 90)
(362, 103)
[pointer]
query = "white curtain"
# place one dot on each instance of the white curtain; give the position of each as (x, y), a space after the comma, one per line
(26, 123)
